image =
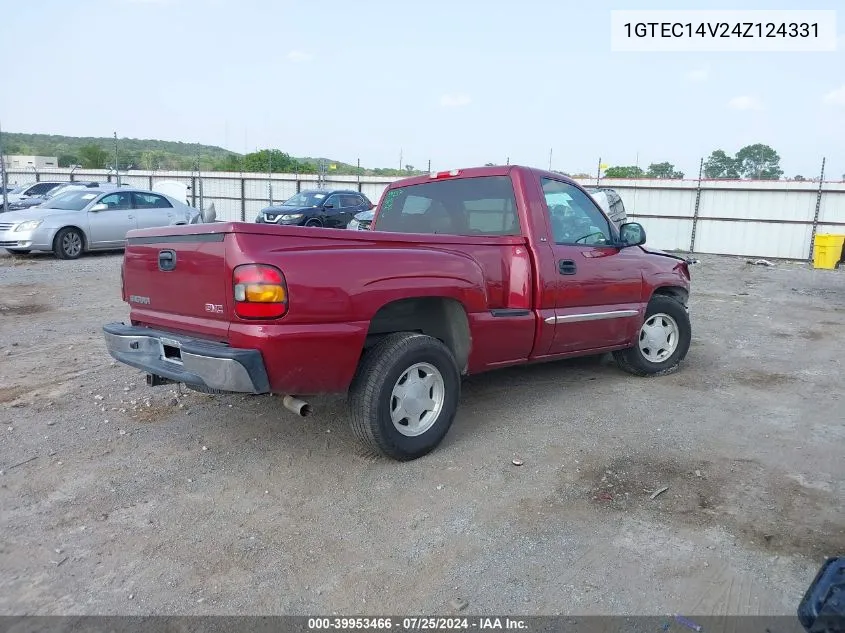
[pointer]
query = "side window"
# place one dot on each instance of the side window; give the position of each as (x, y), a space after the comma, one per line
(359, 201)
(575, 219)
(117, 201)
(40, 189)
(150, 201)
(334, 201)
(347, 201)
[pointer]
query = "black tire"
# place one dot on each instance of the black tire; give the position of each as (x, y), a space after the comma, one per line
(633, 361)
(313, 222)
(62, 245)
(371, 394)
(18, 251)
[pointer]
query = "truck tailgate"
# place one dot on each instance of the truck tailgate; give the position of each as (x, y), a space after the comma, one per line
(179, 281)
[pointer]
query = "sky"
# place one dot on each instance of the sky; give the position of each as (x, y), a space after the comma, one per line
(459, 83)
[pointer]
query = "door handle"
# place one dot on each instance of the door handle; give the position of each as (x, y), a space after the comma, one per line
(166, 260)
(567, 267)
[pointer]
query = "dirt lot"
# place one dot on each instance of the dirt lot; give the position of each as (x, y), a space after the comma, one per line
(121, 499)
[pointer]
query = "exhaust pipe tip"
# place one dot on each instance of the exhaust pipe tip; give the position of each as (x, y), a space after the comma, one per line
(297, 406)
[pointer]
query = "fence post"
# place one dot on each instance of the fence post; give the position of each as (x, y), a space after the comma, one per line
(243, 199)
(695, 210)
(193, 191)
(151, 182)
(817, 213)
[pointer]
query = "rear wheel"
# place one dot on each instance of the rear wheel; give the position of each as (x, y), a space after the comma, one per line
(68, 244)
(662, 342)
(405, 395)
(18, 251)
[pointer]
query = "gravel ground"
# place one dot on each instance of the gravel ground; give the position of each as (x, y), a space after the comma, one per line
(122, 499)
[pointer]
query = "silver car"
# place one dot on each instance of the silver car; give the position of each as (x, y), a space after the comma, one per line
(89, 219)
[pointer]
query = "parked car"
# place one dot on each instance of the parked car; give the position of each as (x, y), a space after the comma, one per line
(88, 219)
(611, 203)
(34, 201)
(328, 208)
(33, 189)
(466, 271)
(362, 221)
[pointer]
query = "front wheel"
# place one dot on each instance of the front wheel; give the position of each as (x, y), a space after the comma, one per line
(404, 396)
(69, 244)
(662, 342)
(313, 222)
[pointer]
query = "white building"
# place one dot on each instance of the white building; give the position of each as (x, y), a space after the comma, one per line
(28, 162)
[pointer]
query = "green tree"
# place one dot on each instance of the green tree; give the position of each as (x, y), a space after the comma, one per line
(93, 156)
(720, 165)
(154, 159)
(270, 160)
(66, 160)
(759, 162)
(622, 171)
(581, 176)
(799, 178)
(664, 170)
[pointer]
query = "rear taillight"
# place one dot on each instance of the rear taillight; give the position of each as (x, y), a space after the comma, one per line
(260, 292)
(123, 280)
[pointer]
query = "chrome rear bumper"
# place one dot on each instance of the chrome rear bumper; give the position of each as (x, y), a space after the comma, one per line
(188, 360)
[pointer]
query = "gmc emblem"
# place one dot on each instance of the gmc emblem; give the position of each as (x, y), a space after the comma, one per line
(215, 308)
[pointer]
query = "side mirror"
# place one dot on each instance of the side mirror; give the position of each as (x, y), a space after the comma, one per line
(631, 234)
(822, 606)
(100, 207)
(328, 205)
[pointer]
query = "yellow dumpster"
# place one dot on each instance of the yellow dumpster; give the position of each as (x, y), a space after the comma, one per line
(827, 250)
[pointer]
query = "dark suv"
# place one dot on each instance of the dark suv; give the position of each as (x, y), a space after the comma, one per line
(330, 208)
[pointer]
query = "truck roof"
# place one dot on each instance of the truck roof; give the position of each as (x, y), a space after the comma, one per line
(475, 172)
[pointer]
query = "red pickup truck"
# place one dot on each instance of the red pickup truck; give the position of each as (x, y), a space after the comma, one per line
(463, 271)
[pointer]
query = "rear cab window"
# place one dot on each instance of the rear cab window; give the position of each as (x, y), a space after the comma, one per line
(483, 205)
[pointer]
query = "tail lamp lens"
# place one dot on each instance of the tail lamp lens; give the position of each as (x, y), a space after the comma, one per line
(260, 292)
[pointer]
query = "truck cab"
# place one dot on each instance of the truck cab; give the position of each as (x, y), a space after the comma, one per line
(463, 271)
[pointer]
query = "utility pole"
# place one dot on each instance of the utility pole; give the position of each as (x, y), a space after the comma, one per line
(400, 159)
(550, 159)
(429, 165)
(269, 176)
(3, 178)
(116, 167)
(199, 178)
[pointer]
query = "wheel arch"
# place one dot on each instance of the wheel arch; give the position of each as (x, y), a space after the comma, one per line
(678, 293)
(77, 228)
(440, 317)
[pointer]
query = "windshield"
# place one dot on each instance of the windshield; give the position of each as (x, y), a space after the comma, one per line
(305, 199)
(70, 200)
(21, 188)
(59, 190)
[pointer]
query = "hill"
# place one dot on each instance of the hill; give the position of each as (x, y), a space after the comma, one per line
(98, 152)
